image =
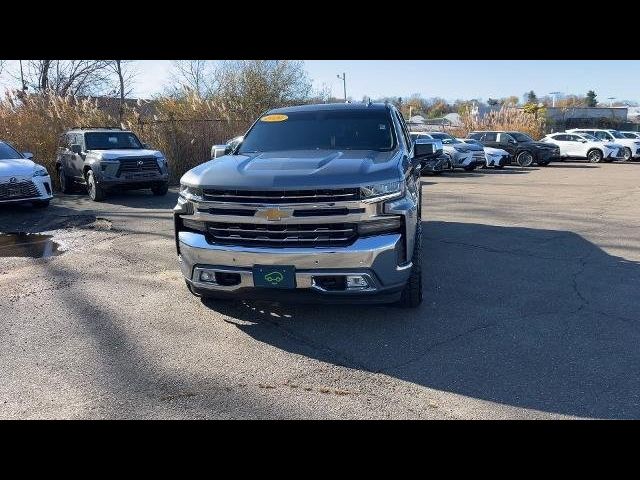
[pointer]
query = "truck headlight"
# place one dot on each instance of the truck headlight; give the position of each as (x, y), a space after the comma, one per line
(385, 224)
(162, 162)
(191, 193)
(40, 171)
(382, 191)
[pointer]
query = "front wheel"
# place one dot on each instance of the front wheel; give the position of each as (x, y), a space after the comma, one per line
(160, 190)
(524, 159)
(627, 154)
(594, 156)
(470, 168)
(96, 192)
(411, 296)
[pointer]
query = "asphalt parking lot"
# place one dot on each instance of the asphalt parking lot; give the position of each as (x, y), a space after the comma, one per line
(531, 311)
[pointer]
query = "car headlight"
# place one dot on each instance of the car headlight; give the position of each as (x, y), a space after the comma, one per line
(162, 162)
(191, 193)
(381, 225)
(40, 172)
(382, 190)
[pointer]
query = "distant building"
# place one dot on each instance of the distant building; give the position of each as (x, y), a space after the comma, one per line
(585, 117)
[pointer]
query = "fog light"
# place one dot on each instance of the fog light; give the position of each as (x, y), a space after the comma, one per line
(207, 276)
(356, 282)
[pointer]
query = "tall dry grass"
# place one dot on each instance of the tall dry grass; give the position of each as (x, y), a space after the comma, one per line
(510, 119)
(183, 129)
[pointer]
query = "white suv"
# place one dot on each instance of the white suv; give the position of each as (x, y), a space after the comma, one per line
(631, 146)
(583, 145)
(631, 134)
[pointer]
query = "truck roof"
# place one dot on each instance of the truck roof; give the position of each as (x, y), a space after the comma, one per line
(96, 129)
(331, 106)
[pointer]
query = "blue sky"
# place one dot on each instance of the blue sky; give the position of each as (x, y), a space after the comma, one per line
(454, 79)
(450, 79)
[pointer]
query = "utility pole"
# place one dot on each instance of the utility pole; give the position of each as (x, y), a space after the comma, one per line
(611, 99)
(554, 97)
(344, 84)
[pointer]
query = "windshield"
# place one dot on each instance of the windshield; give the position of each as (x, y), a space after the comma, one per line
(588, 136)
(321, 130)
(111, 140)
(617, 134)
(471, 141)
(445, 137)
(521, 137)
(8, 153)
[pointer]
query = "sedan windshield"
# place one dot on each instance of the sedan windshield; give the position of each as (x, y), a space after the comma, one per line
(617, 134)
(8, 153)
(321, 130)
(521, 137)
(111, 141)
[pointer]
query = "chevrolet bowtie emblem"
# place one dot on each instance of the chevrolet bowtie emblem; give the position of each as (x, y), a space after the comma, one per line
(273, 214)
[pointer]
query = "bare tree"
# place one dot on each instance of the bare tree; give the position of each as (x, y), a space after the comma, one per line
(195, 76)
(123, 83)
(66, 77)
(246, 88)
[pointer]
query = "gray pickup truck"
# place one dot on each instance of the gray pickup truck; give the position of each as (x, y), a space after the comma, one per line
(317, 203)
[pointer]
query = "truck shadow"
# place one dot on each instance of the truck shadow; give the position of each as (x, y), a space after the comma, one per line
(529, 318)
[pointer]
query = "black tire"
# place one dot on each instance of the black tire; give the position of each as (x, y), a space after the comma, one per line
(470, 168)
(594, 155)
(498, 167)
(66, 183)
(41, 203)
(543, 164)
(160, 190)
(627, 154)
(524, 159)
(95, 191)
(411, 296)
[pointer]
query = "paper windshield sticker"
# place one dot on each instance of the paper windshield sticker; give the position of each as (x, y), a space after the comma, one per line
(274, 118)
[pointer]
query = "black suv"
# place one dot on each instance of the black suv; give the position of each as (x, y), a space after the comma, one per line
(107, 158)
(524, 149)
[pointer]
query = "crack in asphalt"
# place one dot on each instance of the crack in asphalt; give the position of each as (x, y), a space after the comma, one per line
(424, 353)
(518, 253)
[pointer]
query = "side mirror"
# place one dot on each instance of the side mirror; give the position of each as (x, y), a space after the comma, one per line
(228, 149)
(76, 148)
(27, 155)
(426, 148)
(218, 151)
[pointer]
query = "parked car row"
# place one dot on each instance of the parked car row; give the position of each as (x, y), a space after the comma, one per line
(98, 160)
(596, 145)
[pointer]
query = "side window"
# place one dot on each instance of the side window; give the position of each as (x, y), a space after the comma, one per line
(405, 132)
(561, 138)
(574, 138)
(506, 138)
(601, 135)
(490, 137)
(475, 136)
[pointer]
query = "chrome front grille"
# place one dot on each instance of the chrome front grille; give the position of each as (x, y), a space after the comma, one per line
(282, 196)
(18, 190)
(285, 235)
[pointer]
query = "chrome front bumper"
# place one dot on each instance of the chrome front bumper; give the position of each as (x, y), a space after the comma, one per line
(375, 258)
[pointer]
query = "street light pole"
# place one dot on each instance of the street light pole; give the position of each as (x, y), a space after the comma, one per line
(344, 84)
(553, 104)
(611, 99)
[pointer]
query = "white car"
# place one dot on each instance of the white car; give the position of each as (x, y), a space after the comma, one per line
(583, 145)
(631, 135)
(494, 157)
(22, 180)
(631, 146)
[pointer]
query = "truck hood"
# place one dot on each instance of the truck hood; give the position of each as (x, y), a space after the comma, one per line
(114, 154)
(16, 167)
(297, 169)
